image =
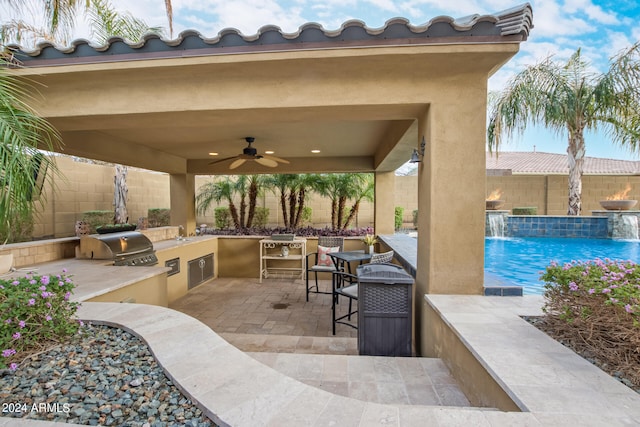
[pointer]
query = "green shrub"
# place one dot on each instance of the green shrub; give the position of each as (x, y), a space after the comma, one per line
(415, 218)
(532, 210)
(260, 217)
(97, 218)
(222, 217)
(159, 217)
(35, 311)
(399, 212)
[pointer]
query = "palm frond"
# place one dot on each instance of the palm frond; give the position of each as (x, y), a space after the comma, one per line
(107, 22)
(22, 134)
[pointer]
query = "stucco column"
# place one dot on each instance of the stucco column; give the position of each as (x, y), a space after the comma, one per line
(182, 189)
(451, 193)
(383, 208)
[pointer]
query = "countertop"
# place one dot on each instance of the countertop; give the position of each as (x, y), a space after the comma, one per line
(97, 277)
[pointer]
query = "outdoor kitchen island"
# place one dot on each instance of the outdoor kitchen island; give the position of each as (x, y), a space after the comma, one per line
(101, 281)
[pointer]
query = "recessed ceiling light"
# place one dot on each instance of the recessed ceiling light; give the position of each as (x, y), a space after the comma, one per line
(315, 151)
(269, 152)
(213, 154)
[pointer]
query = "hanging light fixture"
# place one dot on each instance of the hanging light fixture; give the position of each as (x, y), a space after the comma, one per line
(418, 155)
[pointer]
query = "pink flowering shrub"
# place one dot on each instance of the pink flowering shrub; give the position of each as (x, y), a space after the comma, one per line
(569, 287)
(35, 311)
(594, 308)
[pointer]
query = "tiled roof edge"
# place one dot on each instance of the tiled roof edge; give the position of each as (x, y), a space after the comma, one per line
(516, 21)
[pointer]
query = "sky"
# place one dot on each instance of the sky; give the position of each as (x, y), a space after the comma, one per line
(601, 28)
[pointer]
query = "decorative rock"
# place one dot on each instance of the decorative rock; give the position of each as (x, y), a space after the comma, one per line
(99, 377)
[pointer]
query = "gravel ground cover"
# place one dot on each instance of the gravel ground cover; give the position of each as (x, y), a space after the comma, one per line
(103, 376)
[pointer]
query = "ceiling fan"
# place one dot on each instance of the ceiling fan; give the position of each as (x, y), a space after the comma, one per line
(250, 153)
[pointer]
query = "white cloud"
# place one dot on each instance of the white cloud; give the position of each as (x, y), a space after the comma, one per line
(387, 5)
(592, 11)
(617, 42)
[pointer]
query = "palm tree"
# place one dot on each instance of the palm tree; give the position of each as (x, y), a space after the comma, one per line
(22, 132)
(365, 190)
(216, 191)
(248, 186)
(570, 98)
(339, 188)
(305, 183)
(21, 129)
(255, 188)
(280, 184)
(329, 186)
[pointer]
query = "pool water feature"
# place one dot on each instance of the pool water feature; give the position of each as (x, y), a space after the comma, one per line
(630, 226)
(497, 224)
(521, 261)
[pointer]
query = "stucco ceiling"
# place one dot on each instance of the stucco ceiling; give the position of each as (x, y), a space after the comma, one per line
(290, 134)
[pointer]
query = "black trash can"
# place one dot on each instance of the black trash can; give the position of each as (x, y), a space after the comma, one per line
(384, 310)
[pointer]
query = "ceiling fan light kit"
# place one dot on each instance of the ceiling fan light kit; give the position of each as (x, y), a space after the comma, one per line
(250, 153)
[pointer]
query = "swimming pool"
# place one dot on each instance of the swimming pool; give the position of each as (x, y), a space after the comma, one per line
(520, 261)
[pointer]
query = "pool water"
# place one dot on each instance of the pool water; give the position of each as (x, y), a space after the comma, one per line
(521, 261)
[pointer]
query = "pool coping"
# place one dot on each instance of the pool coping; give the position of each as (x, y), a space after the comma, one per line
(405, 250)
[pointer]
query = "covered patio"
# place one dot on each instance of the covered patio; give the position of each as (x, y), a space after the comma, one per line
(364, 98)
(352, 100)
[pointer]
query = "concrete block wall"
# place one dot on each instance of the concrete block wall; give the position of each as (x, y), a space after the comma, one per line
(550, 193)
(320, 208)
(519, 191)
(596, 188)
(86, 187)
(407, 197)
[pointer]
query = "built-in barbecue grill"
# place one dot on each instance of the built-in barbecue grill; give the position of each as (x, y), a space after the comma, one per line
(125, 248)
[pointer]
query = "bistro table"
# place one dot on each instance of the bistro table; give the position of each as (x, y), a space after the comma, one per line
(342, 258)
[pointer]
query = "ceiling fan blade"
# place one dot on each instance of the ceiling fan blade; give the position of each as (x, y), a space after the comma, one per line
(267, 162)
(277, 159)
(223, 160)
(236, 163)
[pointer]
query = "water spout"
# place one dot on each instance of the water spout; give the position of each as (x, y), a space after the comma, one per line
(496, 225)
(629, 229)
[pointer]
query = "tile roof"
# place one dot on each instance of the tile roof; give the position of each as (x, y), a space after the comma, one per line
(534, 163)
(511, 25)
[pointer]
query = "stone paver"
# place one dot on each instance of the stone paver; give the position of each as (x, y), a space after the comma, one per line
(237, 390)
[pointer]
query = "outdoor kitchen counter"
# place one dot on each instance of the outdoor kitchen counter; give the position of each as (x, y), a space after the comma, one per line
(92, 278)
(101, 281)
(163, 245)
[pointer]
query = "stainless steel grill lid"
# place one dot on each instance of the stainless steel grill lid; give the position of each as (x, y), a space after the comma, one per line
(125, 248)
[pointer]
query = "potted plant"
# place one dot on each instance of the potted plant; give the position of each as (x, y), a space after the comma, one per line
(370, 240)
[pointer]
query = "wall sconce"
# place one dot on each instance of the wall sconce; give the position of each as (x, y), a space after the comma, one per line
(417, 155)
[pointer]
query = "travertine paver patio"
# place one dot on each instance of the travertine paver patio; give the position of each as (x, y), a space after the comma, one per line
(272, 320)
(273, 307)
